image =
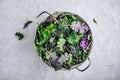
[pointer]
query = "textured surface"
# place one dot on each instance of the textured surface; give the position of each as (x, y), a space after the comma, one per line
(18, 59)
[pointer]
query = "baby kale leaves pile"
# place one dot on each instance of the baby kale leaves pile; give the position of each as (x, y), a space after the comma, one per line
(59, 39)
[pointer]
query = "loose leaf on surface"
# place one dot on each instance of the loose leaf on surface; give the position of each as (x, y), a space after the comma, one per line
(94, 20)
(19, 35)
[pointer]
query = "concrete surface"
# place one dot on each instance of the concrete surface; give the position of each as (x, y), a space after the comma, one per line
(18, 59)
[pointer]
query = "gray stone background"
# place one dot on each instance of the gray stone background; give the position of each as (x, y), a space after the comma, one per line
(18, 59)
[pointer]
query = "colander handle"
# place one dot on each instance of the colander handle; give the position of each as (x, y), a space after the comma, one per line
(43, 13)
(85, 67)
